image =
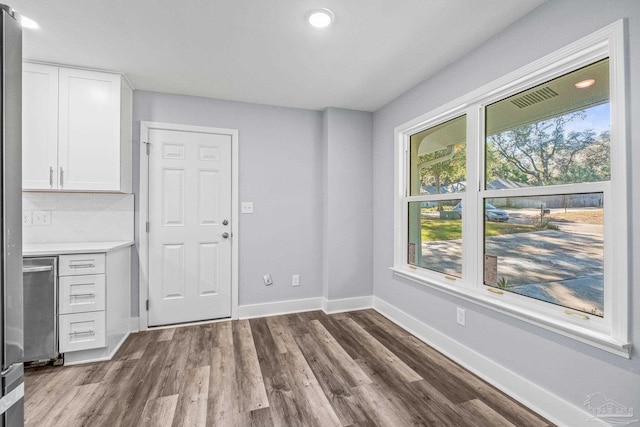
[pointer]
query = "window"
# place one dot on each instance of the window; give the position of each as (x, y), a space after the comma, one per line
(514, 196)
(437, 168)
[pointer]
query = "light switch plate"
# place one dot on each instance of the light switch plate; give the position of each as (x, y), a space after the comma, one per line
(246, 208)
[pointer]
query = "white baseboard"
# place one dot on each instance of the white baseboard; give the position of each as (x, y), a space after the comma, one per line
(347, 304)
(280, 307)
(94, 355)
(300, 305)
(540, 400)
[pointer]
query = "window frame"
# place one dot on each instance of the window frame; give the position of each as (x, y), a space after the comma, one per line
(610, 333)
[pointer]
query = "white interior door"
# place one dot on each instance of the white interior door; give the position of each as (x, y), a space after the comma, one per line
(189, 232)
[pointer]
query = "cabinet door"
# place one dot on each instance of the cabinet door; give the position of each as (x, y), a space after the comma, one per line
(89, 134)
(39, 127)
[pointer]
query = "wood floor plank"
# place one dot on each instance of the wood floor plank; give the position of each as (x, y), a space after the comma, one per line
(337, 389)
(224, 392)
(159, 412)
(282, 334)
(261, 418)
(140, 386)
(199, 352)
(384, 411)
(43, 399)
(382, 352)
(191, 409)
(306, 386)
(427, 362)
(305, 369)
(286, 410)
(222, 334)
(61, 415)
(252, 390)
(483, 414)
(340, 360)
(166, 334)
(172, 373)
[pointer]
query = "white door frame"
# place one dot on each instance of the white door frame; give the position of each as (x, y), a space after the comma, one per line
(143, 236)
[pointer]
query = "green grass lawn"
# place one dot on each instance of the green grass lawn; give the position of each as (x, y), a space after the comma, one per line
(434, 229)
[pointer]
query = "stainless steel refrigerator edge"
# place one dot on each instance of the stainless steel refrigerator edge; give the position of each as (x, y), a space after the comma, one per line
(11, 310)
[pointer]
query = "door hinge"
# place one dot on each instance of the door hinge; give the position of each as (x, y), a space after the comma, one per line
(147, 304)
(147, 226)
(148, 147)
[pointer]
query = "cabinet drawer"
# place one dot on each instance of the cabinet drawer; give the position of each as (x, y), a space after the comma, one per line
(74, 265)
(79, 294)
(82, 331)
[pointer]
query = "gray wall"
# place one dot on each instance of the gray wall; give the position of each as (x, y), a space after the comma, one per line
(280, 171)
(309, 176)
(347, 217)
(568, 368)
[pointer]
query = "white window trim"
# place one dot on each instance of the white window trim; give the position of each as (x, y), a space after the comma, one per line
(610, 333)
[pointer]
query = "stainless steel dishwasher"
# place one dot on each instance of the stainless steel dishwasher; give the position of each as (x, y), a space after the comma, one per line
(40, 278)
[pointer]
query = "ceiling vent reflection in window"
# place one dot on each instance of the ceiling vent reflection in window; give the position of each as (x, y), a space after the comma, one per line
(534, 97)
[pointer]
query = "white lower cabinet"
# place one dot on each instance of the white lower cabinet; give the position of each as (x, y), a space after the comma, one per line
(93, 304)
(81, 302)
(82, 331)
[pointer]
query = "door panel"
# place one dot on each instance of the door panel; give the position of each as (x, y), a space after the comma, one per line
(39, 127)
(189, 198)
(89, 134)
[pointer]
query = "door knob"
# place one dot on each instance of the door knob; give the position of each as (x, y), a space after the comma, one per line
(225, 222)
(225, 235)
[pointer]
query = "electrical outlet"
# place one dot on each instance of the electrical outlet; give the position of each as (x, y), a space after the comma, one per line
(460, 316)
(246, 208)
(27, 219)
(41, 217)
(295, 280)
(267, 280)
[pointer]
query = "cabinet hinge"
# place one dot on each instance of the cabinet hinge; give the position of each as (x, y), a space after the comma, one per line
(147, 304)
(147, 226)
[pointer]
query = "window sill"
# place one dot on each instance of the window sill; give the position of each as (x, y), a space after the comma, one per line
(596, 339)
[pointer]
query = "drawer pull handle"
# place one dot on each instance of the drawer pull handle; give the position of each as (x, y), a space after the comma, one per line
(87, 295)
(90, 332)
(82, 266)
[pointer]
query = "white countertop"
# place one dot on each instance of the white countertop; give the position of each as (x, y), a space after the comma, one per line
(44, 249)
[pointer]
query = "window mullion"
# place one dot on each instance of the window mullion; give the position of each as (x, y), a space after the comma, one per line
(470, 231)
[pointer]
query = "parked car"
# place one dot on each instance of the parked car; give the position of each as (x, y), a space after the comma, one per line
(491, 213)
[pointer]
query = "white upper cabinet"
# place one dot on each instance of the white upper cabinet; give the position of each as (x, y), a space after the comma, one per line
(87, 137)
(39, 126)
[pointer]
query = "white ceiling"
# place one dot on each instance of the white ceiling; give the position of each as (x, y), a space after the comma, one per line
(263, 51)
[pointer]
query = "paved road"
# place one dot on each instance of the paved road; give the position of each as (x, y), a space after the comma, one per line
(562, 266)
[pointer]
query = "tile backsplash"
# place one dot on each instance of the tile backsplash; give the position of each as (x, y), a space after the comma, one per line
(76, 217)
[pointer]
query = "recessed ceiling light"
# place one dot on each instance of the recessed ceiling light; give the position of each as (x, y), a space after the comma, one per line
(28, 23)
(585, 83)
(320, 18)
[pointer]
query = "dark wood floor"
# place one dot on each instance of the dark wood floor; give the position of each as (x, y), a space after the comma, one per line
(306, 369)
